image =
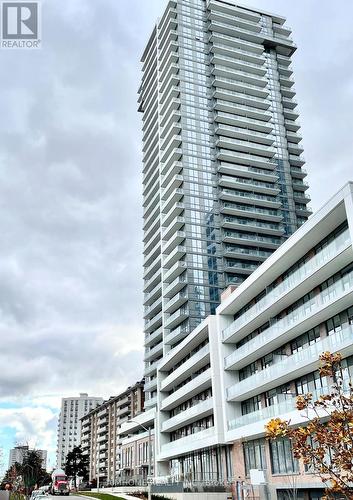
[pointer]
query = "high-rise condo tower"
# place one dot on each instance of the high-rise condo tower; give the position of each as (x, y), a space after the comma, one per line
(222, 168)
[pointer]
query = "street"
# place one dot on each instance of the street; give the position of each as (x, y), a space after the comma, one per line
(72, 496)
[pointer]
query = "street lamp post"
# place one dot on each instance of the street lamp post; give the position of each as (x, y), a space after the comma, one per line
(149, 456)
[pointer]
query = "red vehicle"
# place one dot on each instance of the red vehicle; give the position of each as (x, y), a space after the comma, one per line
(59, 483)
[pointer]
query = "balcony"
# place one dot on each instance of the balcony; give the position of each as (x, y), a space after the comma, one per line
(244, 122)
(242, 110)
(297, 365)
(194, 363)
(241, 98)
(174, 241)
(174, 198)
(153, 309)
(251, 239)
(294, 148)
(152, 338)
(174, 336)
(249, 211)
(174, 155)
(252, 225)
(177, 254)
(178, 284)
(221, 49)
(249, 198)
(173, 212)
(177, 224)
(234, 19)
(246, 253)
(281, 296)
(152, 324)
(249, 185)
(238, 85)
(303, 186)
(239, 64)
(277, 410)
(176, 302)
(177, 317)
(298, 172)
(170, 106)
(297, 161)
(243, 76)
(151, 385)
(187, 391)
(175, 271)
(152, 268)
(154, 353)
(245, 134)
(150, 297)
(151, 369)
(246, 146)
(248, 172)
(244, 158)
(328, 303)
(152, 282)
(291, 125)
(235, 31)
(186, 417)
(151, 402)
(200, 438)
(174, 169)
(236, 42)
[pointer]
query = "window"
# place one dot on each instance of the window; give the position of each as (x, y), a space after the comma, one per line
(282, 461)
(254, 455)
(278, 395)
(251, 405)
(305, 340)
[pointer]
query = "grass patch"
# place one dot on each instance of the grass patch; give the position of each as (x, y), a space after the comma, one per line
(100, 496)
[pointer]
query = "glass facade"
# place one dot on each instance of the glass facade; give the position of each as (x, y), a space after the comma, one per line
(223, 183)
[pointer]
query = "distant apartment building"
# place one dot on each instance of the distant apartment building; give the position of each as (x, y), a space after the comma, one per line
(223, 183)
(100, 433)
(69, 424)
(19, 453)
(246, 364)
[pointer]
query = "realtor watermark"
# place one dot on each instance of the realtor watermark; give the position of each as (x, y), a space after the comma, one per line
(20, 25)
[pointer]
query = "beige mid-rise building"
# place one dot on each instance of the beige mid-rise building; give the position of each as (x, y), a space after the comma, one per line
(100, 433)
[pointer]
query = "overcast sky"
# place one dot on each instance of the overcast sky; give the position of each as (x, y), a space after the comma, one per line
(70, 193)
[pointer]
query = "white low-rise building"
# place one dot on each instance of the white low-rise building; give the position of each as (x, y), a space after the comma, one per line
(219, 387)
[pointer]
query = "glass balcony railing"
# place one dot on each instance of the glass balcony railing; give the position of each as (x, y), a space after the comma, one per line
(252, 196)
(289, 364)
(253, 237)
(250, 209)
(251, 182)
(243, 130)
(277, 410)
(293, 280)
(253, 223)
(337, 289)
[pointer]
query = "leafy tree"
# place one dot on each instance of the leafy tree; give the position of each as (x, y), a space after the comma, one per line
(32, 470)
(325, 442)
(76, 464)
(12, 475)
(29, 473)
